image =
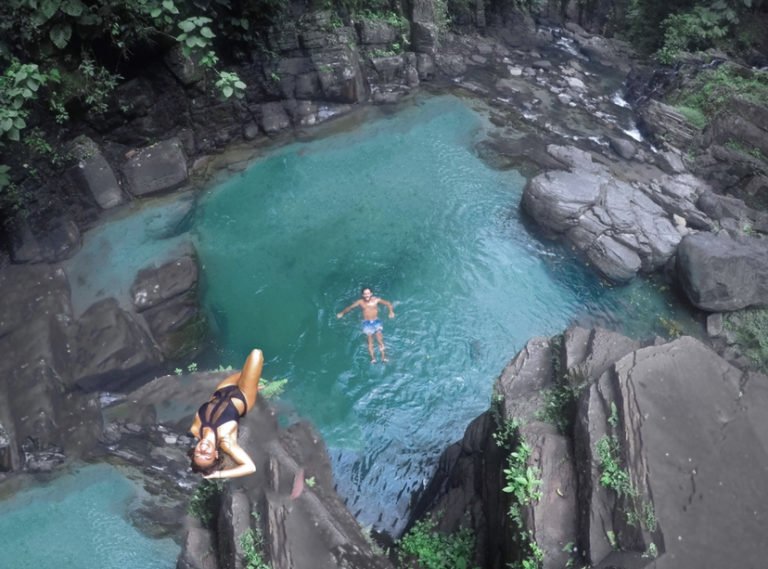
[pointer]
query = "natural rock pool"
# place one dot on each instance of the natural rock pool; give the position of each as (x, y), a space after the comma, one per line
(79, 521)
(402, 204)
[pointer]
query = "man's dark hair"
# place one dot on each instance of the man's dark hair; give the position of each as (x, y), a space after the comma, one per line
(362, 290)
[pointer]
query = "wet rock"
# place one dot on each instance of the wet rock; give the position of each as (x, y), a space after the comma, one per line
(614, 224)
(94, 175)
(185, 68)
(274, 118)
(721, 207)
(45, 239)
(198, 549)
(111, 348)
(663, 122)
(424, 37)
(340, 74)
(720, 273)
(375, 32)
(157, 168)
(157, 284)
(623, 147)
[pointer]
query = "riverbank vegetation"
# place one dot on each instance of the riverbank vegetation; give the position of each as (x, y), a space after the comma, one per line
(62, 59)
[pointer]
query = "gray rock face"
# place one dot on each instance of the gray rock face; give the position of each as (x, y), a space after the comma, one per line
(305, 526)
(47, 241)
(94, 175)
(718, 272)
(613, 223)
(733, 213)
(375, 32)
(111, 348)
(667, 123)
(684, 431)
(274, 118)
(185, 69)
(39, 416)
(167, 298)
(157, 168)
(700, 447)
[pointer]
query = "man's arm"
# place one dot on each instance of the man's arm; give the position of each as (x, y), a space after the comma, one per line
(348, 308)
(389, 306)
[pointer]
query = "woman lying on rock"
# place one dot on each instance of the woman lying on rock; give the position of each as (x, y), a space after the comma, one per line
(215, 424)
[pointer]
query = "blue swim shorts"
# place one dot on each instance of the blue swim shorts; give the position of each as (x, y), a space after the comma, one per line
(370, 327)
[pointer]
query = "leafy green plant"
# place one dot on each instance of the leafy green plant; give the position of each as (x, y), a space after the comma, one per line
(272, 388)
(205, 501)
(310, 482)
(252, 542)
(652, 551)
(192, 368)
(522, 482)
(229, 84)
(506, 433)
(19, 85)
(699, 28)
(424, 547)
(694, 116)
(559, 405)
(612, 474)
(712, 90)
(196, 34)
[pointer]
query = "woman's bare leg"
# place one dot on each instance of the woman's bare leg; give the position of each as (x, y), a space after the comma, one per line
(250, 375)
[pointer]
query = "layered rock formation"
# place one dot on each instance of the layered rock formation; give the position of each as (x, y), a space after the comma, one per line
(645, 474)
(290, 500)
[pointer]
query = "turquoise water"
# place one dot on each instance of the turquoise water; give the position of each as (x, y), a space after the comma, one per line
(403, 205)
(113, 253)
(78, 521)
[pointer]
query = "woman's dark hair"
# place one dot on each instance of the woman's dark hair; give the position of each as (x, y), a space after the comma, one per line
(204, 470)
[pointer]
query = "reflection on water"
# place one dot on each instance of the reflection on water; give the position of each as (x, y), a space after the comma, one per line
(79, 521)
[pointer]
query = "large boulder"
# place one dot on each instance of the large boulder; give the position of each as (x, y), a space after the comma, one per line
(94, 175)
(157, 168)
(167, 297)
(719, 272)
(615, 224)
(663, 122)
(655, 435)
(111, 348)
(45, 238)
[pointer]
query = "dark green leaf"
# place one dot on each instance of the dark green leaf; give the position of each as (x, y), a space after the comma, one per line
(72, 8)
(60, 34)
(48, 8)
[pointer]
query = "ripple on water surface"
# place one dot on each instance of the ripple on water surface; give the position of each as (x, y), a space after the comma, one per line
(404, 205)
(78, 521)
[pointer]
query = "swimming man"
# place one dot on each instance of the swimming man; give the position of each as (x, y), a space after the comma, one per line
(369, 304)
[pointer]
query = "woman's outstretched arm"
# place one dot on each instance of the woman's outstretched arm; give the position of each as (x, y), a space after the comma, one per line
(245, 465)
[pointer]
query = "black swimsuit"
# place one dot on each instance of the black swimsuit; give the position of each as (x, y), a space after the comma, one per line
(220, 409)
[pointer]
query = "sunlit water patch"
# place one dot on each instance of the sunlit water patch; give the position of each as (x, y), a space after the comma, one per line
(79, 521)
(404, 205)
